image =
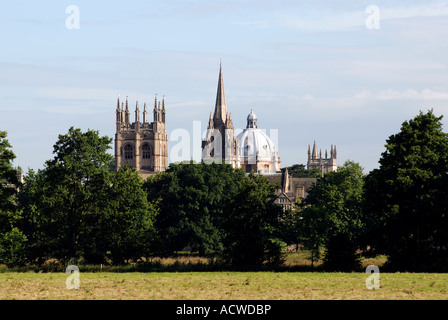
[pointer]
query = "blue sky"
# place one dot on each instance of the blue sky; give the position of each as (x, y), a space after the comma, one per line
(311, 70)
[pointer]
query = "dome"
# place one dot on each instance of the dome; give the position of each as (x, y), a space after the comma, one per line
(254, 143)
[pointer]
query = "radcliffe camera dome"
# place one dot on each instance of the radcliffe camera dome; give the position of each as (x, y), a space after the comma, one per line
(255, 147)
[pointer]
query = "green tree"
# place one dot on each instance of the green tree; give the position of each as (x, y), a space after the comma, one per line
(407, 197)
(333, 210)
(313, 230)
(299, 171)
(252, 225)
(127, 225)
(64, 199)
(191, 199)
(12, 248)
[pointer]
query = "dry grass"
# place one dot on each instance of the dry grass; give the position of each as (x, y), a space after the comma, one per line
(222, 286)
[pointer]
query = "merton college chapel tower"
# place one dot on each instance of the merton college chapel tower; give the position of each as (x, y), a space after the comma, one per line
(141, 145)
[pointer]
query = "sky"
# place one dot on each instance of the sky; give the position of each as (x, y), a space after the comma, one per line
(344, 73)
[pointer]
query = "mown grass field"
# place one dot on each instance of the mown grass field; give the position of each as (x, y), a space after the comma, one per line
(223, 285)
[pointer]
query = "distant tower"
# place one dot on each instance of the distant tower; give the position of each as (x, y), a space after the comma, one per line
(220, 142)
(327, 164)
(141, 145)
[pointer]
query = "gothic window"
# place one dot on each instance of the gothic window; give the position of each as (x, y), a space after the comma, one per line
(266, 168)
(146, 151)
(128, 152)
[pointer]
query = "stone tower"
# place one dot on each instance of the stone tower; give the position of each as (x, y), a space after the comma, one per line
(141, 145)
(327, 164)
(220, 143)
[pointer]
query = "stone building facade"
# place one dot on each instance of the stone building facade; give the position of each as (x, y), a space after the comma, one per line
(142, 145)
(290, 188)
(316, 161)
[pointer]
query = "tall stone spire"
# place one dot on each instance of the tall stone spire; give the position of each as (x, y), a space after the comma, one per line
(315, 151)
(220, 106)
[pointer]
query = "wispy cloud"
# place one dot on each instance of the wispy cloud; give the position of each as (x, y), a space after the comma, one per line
(410, 94)
(337, 20)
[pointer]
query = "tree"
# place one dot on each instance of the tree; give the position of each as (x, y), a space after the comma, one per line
(407, 198)
(313, 230)
(62, 202)
(252, 225)
(191, 199)
(12, 249)
(299, 171)
(333, 211)
(127, 225)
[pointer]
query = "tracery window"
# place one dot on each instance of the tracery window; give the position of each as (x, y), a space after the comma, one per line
(146, 151)
(128, 152)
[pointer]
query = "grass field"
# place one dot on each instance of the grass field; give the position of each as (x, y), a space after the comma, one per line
(223, 285)
(220, 285)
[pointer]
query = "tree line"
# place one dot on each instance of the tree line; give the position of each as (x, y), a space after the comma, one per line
(79, 209)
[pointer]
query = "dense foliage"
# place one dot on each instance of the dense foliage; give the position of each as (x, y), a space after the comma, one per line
(12, 239)
(332, 216)
(299, 171)
(407, 197)
(217, 211)
(76, 208)
(80, 209)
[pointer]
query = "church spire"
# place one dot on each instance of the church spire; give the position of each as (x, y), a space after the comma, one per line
(220, 106)
(315, 151)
